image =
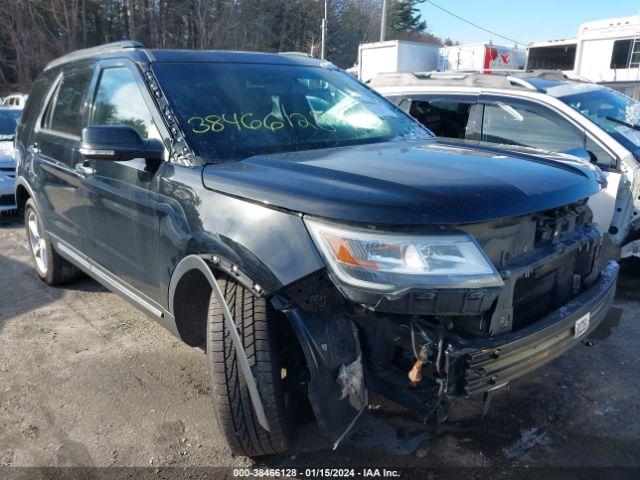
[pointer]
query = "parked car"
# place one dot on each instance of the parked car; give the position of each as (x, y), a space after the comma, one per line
(8, 122)
(322, 252)
(16, 100)
(545, 110)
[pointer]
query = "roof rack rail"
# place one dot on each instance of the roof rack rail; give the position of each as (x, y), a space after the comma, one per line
(471, 79)
(551, 75)
(295, 54)
(88, 52)
(503, 79)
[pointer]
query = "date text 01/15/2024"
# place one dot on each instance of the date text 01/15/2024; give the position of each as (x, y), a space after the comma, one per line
(316, 472)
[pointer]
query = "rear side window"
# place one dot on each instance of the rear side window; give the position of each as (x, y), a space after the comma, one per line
(445, 118)
(515, 125)
(119, 102)
(65, 110)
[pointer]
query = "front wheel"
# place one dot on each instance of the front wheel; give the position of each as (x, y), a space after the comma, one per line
(232, 402)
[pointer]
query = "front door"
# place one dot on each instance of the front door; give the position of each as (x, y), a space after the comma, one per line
(124, 215)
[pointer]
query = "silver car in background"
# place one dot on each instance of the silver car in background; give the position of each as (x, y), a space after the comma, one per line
(8, 122)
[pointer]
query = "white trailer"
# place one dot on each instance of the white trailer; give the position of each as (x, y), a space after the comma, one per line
(395, 56)
(608, 52)
(480, 57)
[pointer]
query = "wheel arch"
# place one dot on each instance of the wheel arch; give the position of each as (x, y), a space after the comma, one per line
(190, 289)
(194, 271)
(24, 193)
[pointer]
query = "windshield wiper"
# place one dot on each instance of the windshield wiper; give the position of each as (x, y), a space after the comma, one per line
(622, 122)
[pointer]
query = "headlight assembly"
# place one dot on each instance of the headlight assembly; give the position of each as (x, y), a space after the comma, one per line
(390, 263)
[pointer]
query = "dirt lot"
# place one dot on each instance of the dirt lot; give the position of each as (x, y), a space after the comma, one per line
(88, 381)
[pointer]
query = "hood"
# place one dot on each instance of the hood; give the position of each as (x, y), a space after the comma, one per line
(406, 183)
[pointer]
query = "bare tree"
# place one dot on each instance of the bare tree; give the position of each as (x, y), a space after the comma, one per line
(33, 32)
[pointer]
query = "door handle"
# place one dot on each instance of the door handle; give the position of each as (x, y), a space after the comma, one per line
(85, 169)
(33, 149)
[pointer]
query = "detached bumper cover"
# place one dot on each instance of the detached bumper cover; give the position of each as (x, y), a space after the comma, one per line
(485, 365)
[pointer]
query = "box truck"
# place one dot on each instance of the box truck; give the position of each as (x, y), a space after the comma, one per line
(395, 56)
(481, 57)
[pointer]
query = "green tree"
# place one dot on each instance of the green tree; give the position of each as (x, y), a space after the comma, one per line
(404, 20)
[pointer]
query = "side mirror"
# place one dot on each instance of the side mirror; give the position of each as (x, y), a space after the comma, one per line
(117, 143)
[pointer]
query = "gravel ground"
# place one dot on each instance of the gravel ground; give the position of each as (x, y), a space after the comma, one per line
(88, 381)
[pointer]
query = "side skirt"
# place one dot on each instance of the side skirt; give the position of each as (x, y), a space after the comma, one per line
(110, 281)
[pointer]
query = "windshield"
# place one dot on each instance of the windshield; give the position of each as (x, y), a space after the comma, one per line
(231, 111)
(8, 122)
(615, 113)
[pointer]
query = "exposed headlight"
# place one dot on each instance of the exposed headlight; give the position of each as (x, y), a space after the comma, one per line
(389, 262)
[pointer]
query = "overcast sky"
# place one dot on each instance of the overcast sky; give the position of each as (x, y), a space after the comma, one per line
(523, 21)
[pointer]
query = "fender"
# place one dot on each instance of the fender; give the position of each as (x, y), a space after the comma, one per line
(273, 248)
(195, 262)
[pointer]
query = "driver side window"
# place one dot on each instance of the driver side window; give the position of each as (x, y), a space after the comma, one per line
(119, 102)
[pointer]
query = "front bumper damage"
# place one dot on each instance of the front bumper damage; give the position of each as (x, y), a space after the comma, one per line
(465, 368)
(427, 346)
(482, 366)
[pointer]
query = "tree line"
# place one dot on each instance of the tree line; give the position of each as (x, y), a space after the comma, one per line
(33, 32)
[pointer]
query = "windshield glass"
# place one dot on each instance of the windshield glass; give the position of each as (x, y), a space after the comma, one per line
(8, 122)
(231, 111)
(615, 113)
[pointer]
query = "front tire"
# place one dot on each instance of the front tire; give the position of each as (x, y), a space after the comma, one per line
(51, 267)
(232, 403)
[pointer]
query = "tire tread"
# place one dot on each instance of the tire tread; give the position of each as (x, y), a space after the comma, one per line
(234, 410)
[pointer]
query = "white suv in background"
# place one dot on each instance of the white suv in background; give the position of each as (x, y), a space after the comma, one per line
(542, 110)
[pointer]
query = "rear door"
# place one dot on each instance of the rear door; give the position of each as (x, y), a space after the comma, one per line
(54, 153)
(124, 213)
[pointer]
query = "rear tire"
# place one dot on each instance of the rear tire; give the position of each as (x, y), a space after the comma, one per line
(50, 266)
(232, 402)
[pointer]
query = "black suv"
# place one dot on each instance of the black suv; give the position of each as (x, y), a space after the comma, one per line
(307, 234)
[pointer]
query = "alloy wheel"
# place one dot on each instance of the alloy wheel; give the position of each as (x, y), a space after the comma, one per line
(38, 244)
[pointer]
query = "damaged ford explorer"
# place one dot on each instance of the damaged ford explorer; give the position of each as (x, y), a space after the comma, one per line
(308, 235)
